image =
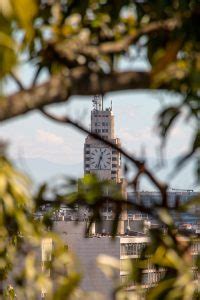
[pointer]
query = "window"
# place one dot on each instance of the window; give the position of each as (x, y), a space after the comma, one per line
(114, 158)
(87, 165)
(87, 152)
(132, 248)
(113, 172)
(103, 123)
(87, 159)
(87, 146)
(98, 130)
(145, 278)
(114, 151)
(114, 165)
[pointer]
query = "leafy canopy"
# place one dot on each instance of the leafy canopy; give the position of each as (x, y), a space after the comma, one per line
(79, 44)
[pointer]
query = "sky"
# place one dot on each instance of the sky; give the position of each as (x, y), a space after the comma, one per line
(43, 148)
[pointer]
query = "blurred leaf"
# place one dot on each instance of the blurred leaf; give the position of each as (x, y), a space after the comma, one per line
(8, 57)
(167, 56)
(67, 286)
(165, 217)
(193, 201)
(109, 265)
(160, 291)
(6, 8)
(3, 184)
(25, 12)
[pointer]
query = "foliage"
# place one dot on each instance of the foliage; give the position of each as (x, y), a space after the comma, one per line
(169, 251)
(21, 238)
(69, 39)
(63, 36)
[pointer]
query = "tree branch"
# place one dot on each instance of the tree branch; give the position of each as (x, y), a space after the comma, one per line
(69, 51)
(72, 49)
(82, 82)
(37, 73)
(123, 44)
(78, 82)
(17, 81)
(140, 165)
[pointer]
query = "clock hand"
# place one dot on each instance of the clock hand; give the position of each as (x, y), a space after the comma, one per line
(99, 161)
(100, 158)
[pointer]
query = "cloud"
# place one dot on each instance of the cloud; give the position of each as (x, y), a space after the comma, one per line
(49, 137)
(130, 135)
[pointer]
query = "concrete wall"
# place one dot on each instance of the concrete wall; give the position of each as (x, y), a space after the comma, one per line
(87, 251)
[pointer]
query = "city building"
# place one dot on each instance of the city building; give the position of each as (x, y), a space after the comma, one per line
(99, 158)
(124, 248)
(88, 250)
(132, 236)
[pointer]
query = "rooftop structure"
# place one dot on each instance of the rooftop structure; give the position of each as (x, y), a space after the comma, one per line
(122, 249)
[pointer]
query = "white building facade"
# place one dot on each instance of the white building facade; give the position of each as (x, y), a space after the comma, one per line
(99, 158)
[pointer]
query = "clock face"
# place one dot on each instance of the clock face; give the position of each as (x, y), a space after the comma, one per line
(100, 159)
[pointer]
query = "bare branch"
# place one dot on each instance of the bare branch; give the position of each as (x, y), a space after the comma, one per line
(81, 81)
(68, 54)
(59, 88)
(17, 81)
(123, 44)
(37, 73)
(73, 48)
(140, 165)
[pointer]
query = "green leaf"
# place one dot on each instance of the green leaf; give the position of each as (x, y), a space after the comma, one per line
(160, 291)
(3, 184)
(25, 11)
(108, 264)
(8, 57)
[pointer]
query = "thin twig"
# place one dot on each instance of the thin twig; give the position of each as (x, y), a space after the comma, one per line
(37, 73)
(17, 81)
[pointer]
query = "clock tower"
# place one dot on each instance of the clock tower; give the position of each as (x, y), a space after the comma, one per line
(100, 159)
